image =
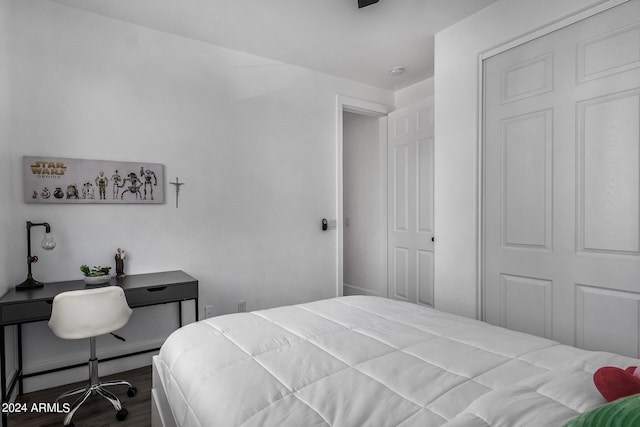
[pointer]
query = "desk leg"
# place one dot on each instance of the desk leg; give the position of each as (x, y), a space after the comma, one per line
(20, 359)
(3, 375)
(195, 301)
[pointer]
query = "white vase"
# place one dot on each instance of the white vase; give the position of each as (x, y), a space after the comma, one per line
(97, 280)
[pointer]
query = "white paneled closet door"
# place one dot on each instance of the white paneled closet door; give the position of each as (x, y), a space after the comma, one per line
(410, 204)
(562, 184)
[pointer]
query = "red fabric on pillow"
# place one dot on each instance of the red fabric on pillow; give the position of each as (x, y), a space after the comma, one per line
(614, 383)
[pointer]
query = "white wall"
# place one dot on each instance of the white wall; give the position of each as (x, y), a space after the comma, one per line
(8, 229)
(456, 137)
(364, 203)
(414, 93)
(253, 139)
(6, 215)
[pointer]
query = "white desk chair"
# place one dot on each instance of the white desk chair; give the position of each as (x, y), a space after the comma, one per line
(87, 314)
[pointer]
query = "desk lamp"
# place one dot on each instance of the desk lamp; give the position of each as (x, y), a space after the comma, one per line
(48, 243)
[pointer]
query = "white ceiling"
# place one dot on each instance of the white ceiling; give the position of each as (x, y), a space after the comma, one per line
(331, 36)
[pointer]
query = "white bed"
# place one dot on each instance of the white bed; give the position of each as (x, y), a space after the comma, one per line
(367, 361)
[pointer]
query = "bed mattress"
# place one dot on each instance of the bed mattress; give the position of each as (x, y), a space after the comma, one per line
(368, 361)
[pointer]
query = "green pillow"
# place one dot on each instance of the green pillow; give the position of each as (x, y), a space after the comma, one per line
(623, 412)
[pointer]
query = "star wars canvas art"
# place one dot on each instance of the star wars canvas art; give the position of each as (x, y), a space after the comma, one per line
(62, 180)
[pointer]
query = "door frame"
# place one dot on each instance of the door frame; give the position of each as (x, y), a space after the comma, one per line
(366, 108)
(480, 154)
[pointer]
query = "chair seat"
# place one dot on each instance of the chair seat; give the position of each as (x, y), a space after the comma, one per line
(89, 312)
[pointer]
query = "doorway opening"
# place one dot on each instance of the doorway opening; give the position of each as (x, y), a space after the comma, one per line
(361, 197)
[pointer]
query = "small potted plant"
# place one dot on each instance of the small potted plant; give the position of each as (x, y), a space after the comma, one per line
(96, 275)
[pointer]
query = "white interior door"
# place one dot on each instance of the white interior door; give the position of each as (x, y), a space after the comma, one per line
(562, 184)
(410, 204)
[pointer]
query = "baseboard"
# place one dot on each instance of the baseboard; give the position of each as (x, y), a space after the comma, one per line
(68, 376)
(82, 357)
(355, 290)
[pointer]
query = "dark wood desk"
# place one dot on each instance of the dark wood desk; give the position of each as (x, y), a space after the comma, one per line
(141, 290)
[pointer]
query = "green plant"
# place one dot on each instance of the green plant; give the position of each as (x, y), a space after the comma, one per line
(97, 270)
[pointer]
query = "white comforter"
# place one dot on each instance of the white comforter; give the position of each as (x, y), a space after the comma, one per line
(366, 361)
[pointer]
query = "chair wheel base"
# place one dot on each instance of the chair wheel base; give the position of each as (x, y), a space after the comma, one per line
(122, 414)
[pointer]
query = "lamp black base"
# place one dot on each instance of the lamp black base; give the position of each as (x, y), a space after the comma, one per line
(29, 284)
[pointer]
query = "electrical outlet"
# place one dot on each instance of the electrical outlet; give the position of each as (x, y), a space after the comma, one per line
(208, 311)
(242, 306)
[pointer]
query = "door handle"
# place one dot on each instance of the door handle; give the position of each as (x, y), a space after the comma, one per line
(325, 224)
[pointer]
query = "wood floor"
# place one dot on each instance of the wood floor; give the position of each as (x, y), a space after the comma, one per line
(96, 411)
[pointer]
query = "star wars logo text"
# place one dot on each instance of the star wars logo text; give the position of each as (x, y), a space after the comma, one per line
(45, 169)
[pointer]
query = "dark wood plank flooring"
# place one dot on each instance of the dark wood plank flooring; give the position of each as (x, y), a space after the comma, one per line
(96, 411)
